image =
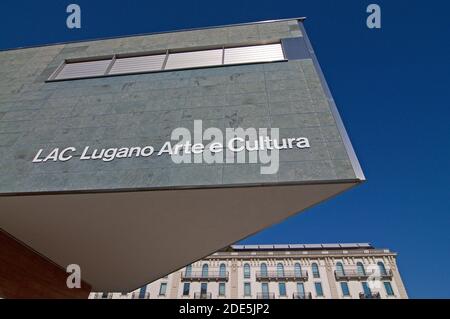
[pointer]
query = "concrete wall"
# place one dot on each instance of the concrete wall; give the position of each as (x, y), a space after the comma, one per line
(138, 110)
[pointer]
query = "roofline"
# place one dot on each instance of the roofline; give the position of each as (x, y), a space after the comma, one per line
(273, 247)
(300, 19)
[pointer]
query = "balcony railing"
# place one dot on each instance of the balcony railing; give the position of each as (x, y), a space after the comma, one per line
(265, 295)
(201, 276)
(202, 295)
(348, 274)
(137, 295)
(373, 295)
(302, 295)
(100, 295)
(286, 275)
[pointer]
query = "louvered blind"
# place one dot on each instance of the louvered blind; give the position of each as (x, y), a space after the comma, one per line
(175, 60)
(138, 64)
(83, 69)
(255, 53)
(194, 59)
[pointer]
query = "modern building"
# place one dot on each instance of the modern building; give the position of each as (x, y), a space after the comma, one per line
(323, 271)
(116, 151)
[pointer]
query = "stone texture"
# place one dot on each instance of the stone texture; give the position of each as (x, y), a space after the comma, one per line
(137, 110)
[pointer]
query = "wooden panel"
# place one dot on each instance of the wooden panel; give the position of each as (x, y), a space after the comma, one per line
(26, 274)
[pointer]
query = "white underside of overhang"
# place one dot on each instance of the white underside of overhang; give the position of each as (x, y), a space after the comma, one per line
(124, 240)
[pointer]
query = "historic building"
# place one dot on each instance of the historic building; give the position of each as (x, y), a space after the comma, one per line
(336, 271)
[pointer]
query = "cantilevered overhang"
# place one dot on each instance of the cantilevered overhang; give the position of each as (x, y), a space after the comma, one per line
(123, 240)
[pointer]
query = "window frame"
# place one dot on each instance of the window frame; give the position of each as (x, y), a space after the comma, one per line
(249, 285)
(316, 285)
(167, 52)
(346, 291)
(161, 292)
(188, 285)
(247, 271)
(389, 292)
(221, 293)
(315, 266)
(280, 290)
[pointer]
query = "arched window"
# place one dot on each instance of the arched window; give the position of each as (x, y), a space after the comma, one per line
(315, 270)
(382, 268)
(340, 269)
(246, 271)
(360, 269)
(263, 269)
(280, 270)
(297, 270)
(205, 270)
(222, 270)
(188, 271)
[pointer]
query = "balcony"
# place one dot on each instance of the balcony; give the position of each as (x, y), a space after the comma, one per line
(284, 276)
(302, 295)
(201, 276)
(373, 295)
(355, 274)
(386, 274)
(265, 295)
(101, 295)
(202, 295)
(137, 295)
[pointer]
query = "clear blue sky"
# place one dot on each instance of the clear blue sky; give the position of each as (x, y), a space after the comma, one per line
(392, 89)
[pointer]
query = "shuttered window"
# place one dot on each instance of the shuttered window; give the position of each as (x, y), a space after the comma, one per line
(194, 59)
(138, 64)
(83, 69)
(255, 53)
(169, 61)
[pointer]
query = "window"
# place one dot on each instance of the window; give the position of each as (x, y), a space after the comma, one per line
(188, 271)
(282, 288)
(360, 269)
(170, 60)
(162, 289)
(205, 270)
(186, 289)
(83, 69)
(315, 270)
(247, 289)
(194, 59)
(382, 269)
(345, 290)
(366, 289)
(246, 271)
(255, 53)
(265, 289)
(319, 290)
(264, 270)
(298, 270)
(388, 288)
(340, 269)
(142, 292)
(203, 288)
(222, 271)
(138, 64)
(222, 289)
(280, 270)
(301, 288)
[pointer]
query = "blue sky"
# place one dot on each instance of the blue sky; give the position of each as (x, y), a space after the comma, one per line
(392, 90)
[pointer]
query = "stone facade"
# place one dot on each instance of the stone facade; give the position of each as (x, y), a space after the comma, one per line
(143, 109)
(291, 268)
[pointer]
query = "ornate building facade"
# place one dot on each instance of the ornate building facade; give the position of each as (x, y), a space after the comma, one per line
(310, 271)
